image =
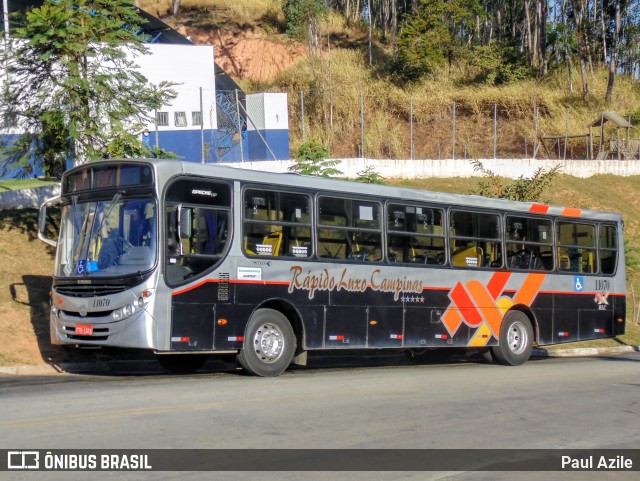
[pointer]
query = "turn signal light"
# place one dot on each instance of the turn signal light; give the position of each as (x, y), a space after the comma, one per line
(222, 322)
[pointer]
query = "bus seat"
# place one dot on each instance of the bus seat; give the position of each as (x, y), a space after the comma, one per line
(275, 241)
(588, 264)
(468, 257)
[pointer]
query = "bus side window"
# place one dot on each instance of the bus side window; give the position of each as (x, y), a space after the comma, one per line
(276, 224)
(576, 247)
(608, 248)
(475, 240)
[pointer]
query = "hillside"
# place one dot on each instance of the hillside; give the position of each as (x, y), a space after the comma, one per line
(339, 89)
(25, 271)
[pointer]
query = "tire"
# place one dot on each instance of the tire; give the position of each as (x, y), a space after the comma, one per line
(516, 340)
(269, 344)
(181, 363)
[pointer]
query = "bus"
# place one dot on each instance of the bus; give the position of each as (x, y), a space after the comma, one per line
(188, 260)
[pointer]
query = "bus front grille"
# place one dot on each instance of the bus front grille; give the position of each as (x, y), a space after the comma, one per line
(89, 291)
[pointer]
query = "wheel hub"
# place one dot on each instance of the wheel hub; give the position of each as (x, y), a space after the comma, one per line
(269, 343)
(517, 338)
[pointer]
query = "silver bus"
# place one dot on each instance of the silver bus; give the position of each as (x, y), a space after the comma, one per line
(189, 260)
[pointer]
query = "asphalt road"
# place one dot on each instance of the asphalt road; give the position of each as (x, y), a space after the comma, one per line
(550, 403)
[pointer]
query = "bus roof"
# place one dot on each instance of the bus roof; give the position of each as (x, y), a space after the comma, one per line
(168, 168)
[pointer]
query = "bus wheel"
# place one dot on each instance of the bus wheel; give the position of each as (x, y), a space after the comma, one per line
(181, 363)
(516, 339)
(269, 344)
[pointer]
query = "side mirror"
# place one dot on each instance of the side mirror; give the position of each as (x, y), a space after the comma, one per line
(42, 220)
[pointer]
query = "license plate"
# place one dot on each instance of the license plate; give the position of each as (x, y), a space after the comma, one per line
(84, 329)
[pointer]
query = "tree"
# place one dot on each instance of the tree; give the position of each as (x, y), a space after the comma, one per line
(613, 62)
(311, 159)
(303, 20)
(73, 84)
(439, 32)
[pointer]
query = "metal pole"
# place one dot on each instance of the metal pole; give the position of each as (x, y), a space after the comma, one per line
(411, 127)
(601, 134)
(157, 134)
(264, 141)
(5, 16)
(330, 85)
(566, 133)
(362, 122)
(453, 133)
(535, 135)
(201, 129)
(495, 128)
(239, 126)
(304, 137)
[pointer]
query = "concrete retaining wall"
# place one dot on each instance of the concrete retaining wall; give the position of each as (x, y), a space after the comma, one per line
(411, 169)
(391, 169)
(28, 198)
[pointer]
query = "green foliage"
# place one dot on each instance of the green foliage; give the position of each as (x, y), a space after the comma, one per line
(499, 64)
(298, 14)
(369, 176)
(73, 85)
(311, 159)
(433, 37)
(527, 189)
(632, 257)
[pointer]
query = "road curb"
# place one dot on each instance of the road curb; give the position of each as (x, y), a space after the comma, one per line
(584, 351)
(146, 367)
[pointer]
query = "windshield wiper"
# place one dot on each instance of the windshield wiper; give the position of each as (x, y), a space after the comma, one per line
(114, 200)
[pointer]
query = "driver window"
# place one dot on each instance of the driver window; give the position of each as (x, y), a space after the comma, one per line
(198, 227)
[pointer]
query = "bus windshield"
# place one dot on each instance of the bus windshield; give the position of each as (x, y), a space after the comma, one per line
(114, 237)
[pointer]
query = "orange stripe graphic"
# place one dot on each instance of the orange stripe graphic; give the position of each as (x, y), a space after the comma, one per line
(539, 208)
(497, 283)
(452, 320)
(529, 289)
(466, 306)
(569, 212)
(486, 304)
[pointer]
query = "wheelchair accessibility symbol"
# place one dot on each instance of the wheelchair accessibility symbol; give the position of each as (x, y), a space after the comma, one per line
(578, 284)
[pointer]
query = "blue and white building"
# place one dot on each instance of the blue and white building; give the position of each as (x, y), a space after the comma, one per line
(204, 123)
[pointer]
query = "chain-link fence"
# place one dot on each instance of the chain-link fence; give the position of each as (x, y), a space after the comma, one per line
(393, 129)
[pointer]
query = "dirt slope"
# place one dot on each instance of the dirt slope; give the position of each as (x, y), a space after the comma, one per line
(245, 53)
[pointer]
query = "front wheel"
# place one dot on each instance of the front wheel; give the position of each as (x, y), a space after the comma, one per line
(269, 344)
(516, 339)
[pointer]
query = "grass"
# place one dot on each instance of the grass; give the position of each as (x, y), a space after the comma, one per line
(333, 84)
(19, 184)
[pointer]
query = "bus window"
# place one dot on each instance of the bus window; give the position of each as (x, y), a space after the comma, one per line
(608, 249)
(475, 240)
(349, 229)
(195, 247)
(415, 234)
(276, 224)
(198, 229)
(576, 247)
(529, 243)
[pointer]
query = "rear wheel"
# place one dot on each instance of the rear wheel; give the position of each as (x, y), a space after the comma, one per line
(269, 344)
(181, 363)
(516, 339)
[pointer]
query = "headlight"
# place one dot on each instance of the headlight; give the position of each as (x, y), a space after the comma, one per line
(123, 312)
